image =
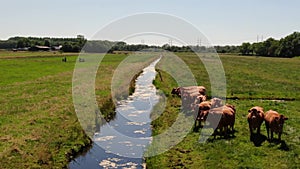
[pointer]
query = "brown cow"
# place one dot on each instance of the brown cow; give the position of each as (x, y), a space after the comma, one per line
(274, 121)
(201, 110)
(230, 111)
(227, 119)
(255, 118)
(224, 116)
(200, 90)
(197, 100)
(200, 98)
(191, 96)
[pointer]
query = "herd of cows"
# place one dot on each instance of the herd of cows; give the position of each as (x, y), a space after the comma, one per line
(222, 117)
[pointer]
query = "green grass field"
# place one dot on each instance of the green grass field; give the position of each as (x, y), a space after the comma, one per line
(39, 127)
(255, 81)
(25, 54)
(38, 124)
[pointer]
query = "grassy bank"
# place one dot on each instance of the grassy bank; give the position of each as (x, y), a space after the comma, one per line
(256, 81)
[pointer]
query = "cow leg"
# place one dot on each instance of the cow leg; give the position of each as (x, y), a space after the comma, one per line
(279, 136)
(226, 131)
(258, 130)
(215, 133)
(251, 130)
(197, 125)
(267, 127)
(271, 135)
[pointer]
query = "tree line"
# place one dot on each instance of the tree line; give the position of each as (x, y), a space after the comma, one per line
(288, 46)
(27, 43)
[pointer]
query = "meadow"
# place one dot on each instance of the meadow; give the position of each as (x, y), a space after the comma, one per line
(38, 124)
(272, 83)
(39, 127)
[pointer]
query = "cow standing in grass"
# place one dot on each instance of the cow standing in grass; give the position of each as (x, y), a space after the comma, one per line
(203, 109)
(205, 106)
(219, 116)
(200, 90)
(255, 118)
(224, 117)
(191, 96)
(274, 122)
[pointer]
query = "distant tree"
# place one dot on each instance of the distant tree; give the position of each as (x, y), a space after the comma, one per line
(246, 48)
(8, 44)
(23, 42)
(47, 43)
(259, 49)
(271, 46)
(76, 48)
(166, 47)
(285, 48)
(294, 40)
(67, 47)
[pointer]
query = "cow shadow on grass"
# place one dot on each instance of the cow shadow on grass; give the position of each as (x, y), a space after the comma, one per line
(258, 139)
(197, 127)
(282, 144)
(220, 136)
(216, 135)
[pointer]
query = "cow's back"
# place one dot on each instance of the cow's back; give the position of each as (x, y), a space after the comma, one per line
(270, 116)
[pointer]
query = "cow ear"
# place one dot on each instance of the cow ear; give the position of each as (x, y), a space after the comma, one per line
(283, 117)
(249, 111)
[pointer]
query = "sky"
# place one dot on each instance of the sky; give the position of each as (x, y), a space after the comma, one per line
(229, 22)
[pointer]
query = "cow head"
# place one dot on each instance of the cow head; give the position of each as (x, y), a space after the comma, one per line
(254, 112)
(203, 114)
(202, 90)
(216, 102)
(176, 91)
(205, 105)
(201, 98)
(280, 120)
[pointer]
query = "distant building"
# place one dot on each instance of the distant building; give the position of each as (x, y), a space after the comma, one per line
(56, 47)
(45, 48)
(20, 49)
(40, 48)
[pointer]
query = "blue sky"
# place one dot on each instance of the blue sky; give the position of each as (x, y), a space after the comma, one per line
(223, 22)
